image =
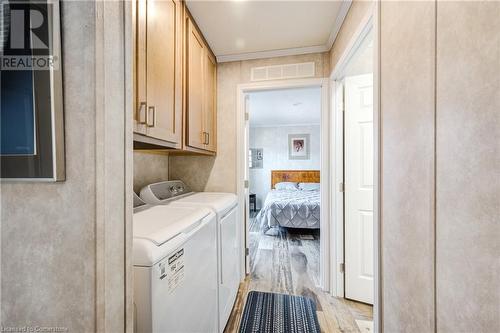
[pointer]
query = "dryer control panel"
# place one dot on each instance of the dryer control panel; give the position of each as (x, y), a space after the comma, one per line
(158, 192)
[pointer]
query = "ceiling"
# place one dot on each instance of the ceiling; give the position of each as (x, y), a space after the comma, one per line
(284, 107)
(249, 29)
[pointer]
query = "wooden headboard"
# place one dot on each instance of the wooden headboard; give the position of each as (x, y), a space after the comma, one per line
(299, 176)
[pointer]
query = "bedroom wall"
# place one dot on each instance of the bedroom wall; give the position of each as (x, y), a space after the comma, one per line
(274, 142)
(219, 173)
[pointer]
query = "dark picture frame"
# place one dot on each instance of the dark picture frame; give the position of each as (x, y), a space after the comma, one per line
(45, 161)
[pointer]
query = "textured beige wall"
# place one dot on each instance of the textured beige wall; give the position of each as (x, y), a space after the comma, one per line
(149, 167)
(48, 241)
(440, 96)
(219, 173)
(62, 244)
(468, 167)
(358, 10)
(407, 149)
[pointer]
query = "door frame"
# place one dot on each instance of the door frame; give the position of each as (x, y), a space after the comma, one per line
(241, 155)
(370, 22)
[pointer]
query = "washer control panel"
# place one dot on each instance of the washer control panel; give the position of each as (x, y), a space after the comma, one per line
(177, 189)
(164, 190)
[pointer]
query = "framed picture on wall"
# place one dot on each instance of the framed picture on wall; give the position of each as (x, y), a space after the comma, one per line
(31, 118)
(256, 158)
(298, 147)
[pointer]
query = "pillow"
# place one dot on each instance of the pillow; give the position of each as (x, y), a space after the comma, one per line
(286, 186)
(309, 186)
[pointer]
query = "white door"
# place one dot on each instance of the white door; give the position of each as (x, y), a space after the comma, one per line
(359, 188)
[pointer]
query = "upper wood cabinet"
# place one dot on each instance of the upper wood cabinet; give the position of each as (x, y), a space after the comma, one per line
(195, 57)
(158, 109)
(210, 119)
(175, 80)
(200, 90)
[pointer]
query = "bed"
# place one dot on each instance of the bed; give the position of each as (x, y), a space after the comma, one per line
(292, 208)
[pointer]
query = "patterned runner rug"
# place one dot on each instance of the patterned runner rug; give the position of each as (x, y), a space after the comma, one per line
(278, 313)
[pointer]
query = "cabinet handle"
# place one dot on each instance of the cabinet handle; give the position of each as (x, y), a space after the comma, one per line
(142, 107)
(208, 138)
(151, 108)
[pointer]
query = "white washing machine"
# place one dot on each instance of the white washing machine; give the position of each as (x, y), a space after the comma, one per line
(175, 268)
(225, 206)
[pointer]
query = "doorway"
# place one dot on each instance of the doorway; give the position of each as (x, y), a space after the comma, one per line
(353, 316)
(284, 174)
(243, 149)
(358, 173)
(356, 169)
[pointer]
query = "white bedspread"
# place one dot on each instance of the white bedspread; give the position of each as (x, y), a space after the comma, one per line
(291, 209)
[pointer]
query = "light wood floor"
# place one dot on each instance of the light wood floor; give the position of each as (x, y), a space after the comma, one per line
(287, 261)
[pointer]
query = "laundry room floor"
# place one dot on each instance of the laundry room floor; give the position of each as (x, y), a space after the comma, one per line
(287, 261)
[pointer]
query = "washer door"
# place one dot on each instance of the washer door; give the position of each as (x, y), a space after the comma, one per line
(229, 265)
(184, 285)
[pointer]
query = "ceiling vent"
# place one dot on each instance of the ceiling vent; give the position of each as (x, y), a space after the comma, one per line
(280, 72)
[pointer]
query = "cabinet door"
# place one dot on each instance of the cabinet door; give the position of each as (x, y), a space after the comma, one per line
(140, 69)
(164, 70)
(210, 112)
(195, 83)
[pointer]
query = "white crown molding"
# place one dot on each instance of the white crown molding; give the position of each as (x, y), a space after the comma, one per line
(344, 9)
(272, 53)
(285, 125)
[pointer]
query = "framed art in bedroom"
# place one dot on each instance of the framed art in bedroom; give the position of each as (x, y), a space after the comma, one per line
(298, 147)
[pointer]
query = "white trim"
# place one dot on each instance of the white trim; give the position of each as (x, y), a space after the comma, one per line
(377, 177)
(361, 31)
(325, 217)
(370, 21)
(243, 89)
(272, 53)
(344, 9)
(247, 177)
(287, 125)
(337, 198)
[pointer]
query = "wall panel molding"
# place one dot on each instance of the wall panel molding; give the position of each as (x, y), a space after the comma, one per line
(111, 160)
